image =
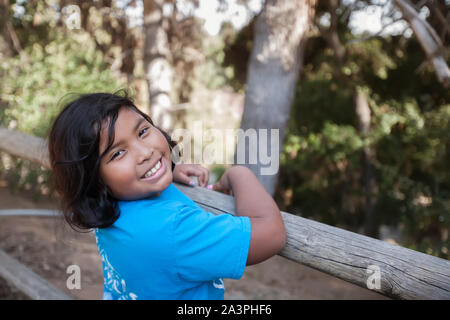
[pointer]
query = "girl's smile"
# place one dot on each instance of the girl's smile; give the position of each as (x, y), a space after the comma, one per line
(136, 165)
(155, 171)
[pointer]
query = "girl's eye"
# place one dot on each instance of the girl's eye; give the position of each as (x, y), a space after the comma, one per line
(143, 131)
(116, 154)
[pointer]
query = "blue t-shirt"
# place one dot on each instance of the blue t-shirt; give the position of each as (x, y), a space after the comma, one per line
(168, 247)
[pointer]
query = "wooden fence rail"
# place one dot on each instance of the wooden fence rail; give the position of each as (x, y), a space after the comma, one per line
(28, 282)
(404, 273)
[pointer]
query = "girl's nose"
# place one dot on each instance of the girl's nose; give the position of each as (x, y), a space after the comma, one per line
(144, 152)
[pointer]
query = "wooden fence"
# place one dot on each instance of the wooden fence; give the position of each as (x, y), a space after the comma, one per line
(404, 273)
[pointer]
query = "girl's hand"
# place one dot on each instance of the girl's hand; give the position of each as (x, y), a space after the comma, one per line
(223, 185)
(182, 172)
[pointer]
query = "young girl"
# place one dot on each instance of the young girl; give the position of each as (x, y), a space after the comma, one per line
(113, 170)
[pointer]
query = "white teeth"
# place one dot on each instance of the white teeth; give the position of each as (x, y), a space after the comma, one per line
(153, 170)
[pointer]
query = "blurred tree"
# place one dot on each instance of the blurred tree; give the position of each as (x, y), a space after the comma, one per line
(107, 24)
(12, 43)
(158, 64)
(173, 45)
(280, 32)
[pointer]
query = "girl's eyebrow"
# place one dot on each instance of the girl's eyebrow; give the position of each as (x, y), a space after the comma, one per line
(135, 128)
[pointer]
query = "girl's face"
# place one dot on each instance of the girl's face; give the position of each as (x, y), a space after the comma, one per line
(138, 165)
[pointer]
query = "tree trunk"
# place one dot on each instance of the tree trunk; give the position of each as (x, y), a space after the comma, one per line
(157, 65)
(13, 45)
(279, 37)
(363, 115)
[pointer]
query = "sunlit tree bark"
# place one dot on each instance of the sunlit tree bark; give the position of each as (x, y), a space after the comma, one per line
(276, 59)
(158, 68)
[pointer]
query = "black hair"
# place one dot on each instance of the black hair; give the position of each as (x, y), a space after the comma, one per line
(73, 144)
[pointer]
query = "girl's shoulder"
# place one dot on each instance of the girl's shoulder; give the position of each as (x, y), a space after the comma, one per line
(141, 218)
(143, 206)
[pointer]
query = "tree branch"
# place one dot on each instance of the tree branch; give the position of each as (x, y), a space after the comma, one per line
(429, 40)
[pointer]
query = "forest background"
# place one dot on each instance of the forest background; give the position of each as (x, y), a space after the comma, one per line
(366, 139)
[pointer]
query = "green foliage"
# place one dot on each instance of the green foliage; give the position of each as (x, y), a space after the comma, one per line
(321, 168)
(35, 80)
(32, 86)
(320, 110)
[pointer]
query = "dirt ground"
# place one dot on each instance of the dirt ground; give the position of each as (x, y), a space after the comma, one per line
(48, 247)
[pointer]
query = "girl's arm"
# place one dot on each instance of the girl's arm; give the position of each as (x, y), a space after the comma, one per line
(268, 235)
